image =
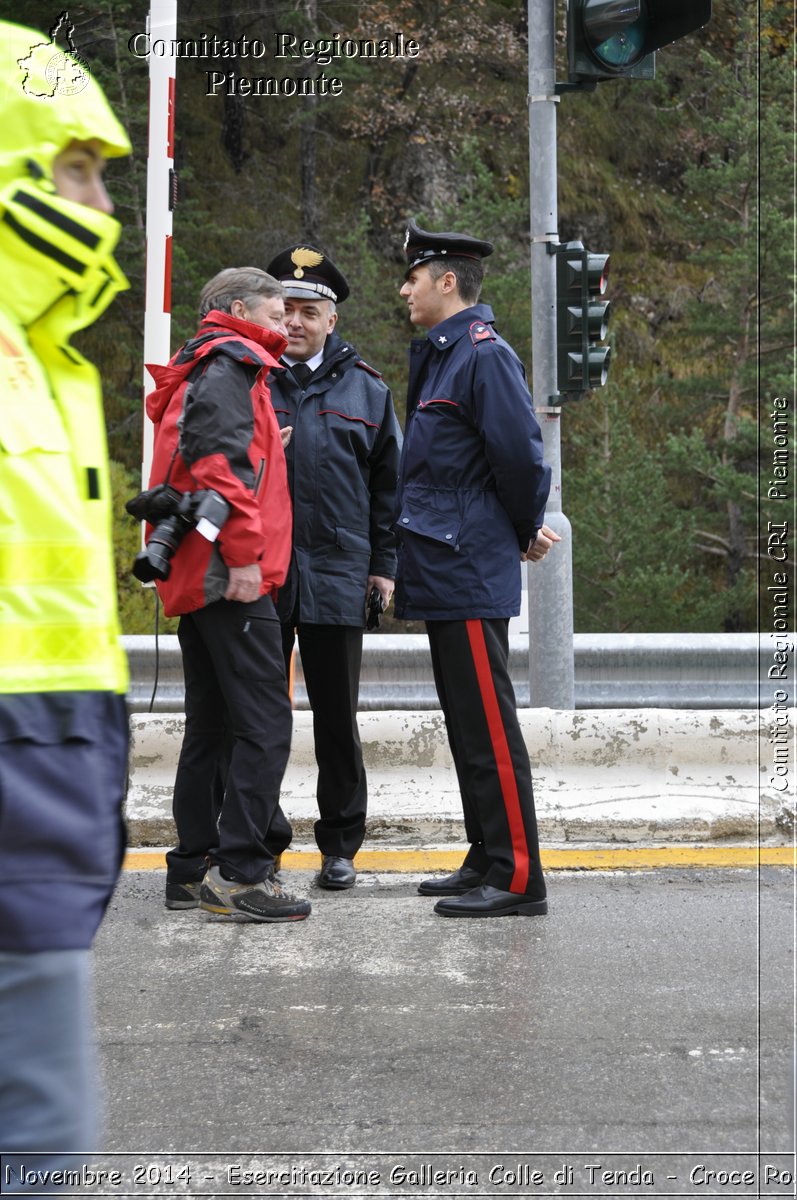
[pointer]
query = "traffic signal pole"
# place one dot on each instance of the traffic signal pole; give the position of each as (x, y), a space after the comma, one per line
(550, 582)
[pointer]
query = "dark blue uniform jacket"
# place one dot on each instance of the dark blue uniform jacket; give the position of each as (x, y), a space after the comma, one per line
(472, 483)
(342, 471)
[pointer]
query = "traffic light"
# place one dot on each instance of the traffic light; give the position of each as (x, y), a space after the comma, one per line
(616, 39)
(581, 318)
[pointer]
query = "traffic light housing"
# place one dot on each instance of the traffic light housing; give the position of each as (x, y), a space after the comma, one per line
(581, 318)
(617, 39)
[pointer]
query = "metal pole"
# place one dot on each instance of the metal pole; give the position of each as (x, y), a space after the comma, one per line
(550, 583)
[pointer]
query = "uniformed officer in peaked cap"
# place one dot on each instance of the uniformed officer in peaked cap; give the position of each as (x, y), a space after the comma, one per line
(342, 468)
(306, 273)
(421, 246)
(470, 507)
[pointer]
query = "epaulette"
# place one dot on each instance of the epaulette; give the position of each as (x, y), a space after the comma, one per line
(479, 332)
(371, 370)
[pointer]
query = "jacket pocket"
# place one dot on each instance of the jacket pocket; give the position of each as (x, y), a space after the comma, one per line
(352, 540)
(441, 527)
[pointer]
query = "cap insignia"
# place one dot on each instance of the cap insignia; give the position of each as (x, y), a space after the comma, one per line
(303, 257)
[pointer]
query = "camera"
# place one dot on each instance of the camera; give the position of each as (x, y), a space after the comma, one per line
(155, 504)
(173, 514)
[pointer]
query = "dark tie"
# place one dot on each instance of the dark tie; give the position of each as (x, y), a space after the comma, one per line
(302, 373)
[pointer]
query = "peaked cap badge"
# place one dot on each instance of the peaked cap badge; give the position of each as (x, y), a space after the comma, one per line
(302, 257)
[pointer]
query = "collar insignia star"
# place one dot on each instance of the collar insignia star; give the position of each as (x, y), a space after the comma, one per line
(442, 339)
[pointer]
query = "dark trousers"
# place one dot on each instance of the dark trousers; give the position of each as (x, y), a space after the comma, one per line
(331, 661)
(470, 664)
(63, 769)
(238, 726)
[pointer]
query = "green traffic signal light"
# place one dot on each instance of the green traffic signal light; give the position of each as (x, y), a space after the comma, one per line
(615, 30)
(613, 39)
(582, 318)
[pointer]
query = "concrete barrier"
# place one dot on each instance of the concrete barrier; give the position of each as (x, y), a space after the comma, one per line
(637, 776)
(629, 670)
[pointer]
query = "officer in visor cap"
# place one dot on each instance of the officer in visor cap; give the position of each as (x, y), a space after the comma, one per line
(421, 246)
(471, 506)
(307, 274)
(342, 468)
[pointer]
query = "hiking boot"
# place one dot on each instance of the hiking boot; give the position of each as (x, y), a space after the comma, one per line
(182, 895)
(264, 901)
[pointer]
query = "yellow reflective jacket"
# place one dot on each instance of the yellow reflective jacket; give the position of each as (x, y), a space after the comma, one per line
(59, 629)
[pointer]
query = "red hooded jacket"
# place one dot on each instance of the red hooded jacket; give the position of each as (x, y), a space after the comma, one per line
(217, 430)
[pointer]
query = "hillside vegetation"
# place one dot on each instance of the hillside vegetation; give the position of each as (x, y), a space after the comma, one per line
(686, 181)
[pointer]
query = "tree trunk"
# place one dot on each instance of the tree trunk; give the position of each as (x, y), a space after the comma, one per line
(233, 112)
(737, 546)
(308, 142)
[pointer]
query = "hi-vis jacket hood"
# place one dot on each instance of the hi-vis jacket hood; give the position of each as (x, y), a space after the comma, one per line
(52, 248)
(59, 630)
(40, 121)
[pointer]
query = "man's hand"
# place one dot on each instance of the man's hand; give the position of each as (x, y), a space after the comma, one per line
(244, 583)
(382, 585)
(285, 435)
(540, 546)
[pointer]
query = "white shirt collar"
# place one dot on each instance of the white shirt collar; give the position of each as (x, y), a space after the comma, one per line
(313, 363)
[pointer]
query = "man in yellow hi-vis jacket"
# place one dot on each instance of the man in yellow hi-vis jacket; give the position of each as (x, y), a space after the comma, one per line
(63, 728)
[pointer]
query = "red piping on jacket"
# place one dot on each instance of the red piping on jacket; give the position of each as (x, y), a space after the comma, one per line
(326, 412)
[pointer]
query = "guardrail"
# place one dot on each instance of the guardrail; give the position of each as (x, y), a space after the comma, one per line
(641, 670)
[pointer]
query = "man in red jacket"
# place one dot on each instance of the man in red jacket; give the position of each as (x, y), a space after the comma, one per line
(216, 438)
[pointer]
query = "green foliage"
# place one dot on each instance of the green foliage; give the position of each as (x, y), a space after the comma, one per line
(490, 206)
(686, 181)
(374, 315)
(737, 321)
(633, 564)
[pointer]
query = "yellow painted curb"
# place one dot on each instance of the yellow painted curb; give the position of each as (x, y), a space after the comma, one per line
(575, 858)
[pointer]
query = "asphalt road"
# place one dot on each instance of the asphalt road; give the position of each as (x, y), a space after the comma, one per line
(645, 1024)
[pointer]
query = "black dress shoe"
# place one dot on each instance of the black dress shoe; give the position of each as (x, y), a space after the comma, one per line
(336, 873)
(486, 901)
(464, 879)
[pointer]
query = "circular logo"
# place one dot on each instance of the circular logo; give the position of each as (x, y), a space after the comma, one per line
(67, 74)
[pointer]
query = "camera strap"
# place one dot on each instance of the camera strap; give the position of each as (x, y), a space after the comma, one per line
(169, 468)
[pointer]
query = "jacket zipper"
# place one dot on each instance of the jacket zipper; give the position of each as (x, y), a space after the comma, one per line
(259, 476)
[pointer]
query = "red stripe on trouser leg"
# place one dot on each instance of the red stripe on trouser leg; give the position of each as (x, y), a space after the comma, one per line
(503, 758)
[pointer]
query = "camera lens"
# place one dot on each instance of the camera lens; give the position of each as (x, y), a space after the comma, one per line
(155, 562)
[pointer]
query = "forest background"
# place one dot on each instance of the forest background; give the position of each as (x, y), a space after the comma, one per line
(686, 181)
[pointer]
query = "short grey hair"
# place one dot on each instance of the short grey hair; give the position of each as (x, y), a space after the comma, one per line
(238, 283)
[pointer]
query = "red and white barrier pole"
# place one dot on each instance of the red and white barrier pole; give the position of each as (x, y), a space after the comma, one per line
(161, 184)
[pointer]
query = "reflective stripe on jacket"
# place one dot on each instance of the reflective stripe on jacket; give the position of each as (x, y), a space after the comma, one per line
(58, 622)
